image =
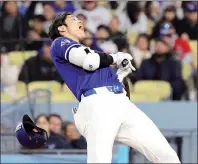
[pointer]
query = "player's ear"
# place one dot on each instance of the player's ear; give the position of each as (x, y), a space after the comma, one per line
(62, 28)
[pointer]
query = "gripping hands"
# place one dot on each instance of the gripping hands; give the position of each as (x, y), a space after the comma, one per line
(123, 62)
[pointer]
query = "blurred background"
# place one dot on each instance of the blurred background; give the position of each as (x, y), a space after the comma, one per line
(160, 35)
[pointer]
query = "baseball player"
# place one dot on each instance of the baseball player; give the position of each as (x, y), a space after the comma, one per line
(104, 113)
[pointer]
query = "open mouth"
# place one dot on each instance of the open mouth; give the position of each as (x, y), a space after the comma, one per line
(81, 27)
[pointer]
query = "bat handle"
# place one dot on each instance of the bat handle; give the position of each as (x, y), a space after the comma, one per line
(124, 63)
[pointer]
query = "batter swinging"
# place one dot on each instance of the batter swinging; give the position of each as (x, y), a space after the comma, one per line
(105, 113)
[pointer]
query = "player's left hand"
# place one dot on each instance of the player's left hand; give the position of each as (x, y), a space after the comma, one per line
(124, 69)
(120, 56)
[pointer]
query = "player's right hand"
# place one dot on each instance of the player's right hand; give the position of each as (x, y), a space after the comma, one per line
(120, 56)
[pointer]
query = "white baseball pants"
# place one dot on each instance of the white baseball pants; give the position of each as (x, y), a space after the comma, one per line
(104, 117)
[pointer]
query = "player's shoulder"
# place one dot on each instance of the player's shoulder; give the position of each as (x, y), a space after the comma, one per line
(61, 41)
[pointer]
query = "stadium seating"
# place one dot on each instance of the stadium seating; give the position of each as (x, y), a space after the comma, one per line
(53, 86)
(152, 87)
(18, 57)
(193, 45)
(142, 97)
(132, 36)
(186, 71)
(21, 88)
(66, 89)
(63, 96)
(5, 97)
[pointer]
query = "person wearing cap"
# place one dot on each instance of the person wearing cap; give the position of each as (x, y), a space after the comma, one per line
(39, 67)
(169, 17)
(36, 33)
(189, 25)
(163, 66)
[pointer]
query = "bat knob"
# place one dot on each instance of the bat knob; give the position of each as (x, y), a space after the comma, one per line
(125, 62)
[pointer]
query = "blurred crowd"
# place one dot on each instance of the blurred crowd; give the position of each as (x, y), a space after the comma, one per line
(61, 135)
(156, 33)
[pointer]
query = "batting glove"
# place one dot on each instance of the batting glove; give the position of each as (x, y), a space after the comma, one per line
(120, 56)
(125, 69)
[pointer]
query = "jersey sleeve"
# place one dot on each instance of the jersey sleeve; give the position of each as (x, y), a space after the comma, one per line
(63, 46)
(64, 50)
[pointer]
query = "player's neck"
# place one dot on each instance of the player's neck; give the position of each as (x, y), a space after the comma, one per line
(72, 37)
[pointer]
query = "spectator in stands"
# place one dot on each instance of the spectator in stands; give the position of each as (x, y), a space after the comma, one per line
(189, 24)
(179, 45)
(36, 32)
(90, 41)
(152, 13)
(169, 16)
(40, 67)
(12, 26)
(140, 50)
(54, 140)
(49, 14)
(117, 36)
(96, 15)
(168, 33)
(9, 74)
(63, 6)
(103, 39)
(23, 6)
(132, 19)
(71, 134)
(181, 48)
(56, 122)
(163, 66)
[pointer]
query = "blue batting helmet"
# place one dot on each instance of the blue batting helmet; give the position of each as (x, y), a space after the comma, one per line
(29, 135)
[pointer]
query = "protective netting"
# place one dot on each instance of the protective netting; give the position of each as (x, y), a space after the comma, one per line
(33, 104)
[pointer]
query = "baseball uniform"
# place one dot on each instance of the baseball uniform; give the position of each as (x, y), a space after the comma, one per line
(105, 113)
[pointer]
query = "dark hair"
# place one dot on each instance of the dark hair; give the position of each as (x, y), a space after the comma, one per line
(41, 115)
(55, 115)
(65, 125)
(105, 28)
(143, 35)
(58, 21)
(133, 10)
(39, 17)
(147, 10)
(170, 8)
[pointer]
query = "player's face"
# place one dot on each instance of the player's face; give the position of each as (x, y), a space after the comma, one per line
(75, 27)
